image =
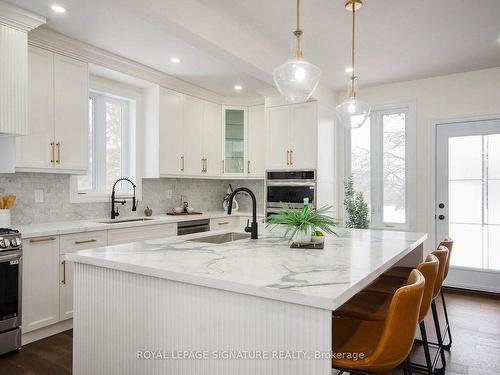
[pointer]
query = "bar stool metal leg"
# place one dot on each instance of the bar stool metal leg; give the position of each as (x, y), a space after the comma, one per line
(439, 337)
(448, 328)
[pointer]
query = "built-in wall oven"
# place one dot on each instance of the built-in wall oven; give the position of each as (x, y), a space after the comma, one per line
(10, 290)
(289, 188)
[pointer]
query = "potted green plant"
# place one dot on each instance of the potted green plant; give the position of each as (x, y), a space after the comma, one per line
(356, 207)
(300, 224)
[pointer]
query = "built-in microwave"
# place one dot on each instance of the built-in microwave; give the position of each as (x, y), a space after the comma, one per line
(289, 188)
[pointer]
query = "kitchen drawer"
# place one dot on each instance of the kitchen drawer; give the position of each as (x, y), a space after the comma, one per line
(146, 232)
(81, 241)
(224, 222)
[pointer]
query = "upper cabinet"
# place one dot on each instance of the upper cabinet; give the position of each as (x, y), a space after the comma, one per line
(292, 136)
(58, 123)
(211, 140)
(14, 26)
(235, 139)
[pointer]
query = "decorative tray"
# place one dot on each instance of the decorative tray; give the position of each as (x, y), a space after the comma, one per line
(308, 245)
(184, 213)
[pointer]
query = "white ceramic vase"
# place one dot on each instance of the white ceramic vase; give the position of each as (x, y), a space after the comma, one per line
(303, 236)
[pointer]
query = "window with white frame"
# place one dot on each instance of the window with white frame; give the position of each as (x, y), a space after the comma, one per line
(380, 157)
(111, 144)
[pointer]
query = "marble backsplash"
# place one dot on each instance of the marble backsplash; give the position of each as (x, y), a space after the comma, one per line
(203, 194)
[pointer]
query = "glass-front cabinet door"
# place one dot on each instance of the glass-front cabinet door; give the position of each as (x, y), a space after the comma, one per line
(235, 140)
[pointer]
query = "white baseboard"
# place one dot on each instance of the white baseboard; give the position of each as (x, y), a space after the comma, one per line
(44, 332)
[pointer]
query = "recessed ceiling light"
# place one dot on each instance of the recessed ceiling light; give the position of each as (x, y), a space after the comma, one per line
(175, 60)
(58, 9)
(348, 70)
(238, 87)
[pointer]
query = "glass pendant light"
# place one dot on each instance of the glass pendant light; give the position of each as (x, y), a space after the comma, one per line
(296, 79)
(353, 112)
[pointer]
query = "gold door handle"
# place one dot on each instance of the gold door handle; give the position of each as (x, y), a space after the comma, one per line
(182, 163)
(291, 157)
(287, 157)
(85, 241)
(53, 160)
(63, 279)
(58, 160)
(248, 166)
(43, 239)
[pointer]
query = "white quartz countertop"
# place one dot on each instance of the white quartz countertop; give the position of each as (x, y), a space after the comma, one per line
(66, 227)
(266, 267)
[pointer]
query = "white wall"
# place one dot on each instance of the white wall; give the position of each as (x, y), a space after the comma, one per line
(453, 96)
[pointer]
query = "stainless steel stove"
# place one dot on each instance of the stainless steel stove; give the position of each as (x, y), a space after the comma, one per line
(10, 289)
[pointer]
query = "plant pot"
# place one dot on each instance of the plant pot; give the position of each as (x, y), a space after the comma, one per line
(303, 236)
(318, 239)
(5, 218)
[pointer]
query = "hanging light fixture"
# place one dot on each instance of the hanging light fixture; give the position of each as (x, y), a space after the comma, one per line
(297, 78)
(353, 112)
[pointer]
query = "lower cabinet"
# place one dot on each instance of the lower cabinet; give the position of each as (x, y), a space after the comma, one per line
(40, 299)
(141, 233)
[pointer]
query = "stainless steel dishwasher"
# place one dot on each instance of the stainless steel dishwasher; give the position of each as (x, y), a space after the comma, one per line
(193, 226)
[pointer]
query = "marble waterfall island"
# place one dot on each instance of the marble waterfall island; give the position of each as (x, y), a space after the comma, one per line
(177, 306)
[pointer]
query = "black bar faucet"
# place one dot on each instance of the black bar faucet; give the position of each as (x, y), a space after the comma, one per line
(253, 228)
(114, 211)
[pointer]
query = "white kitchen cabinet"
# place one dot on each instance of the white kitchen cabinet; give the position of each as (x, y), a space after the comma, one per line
(70, 243)
(292, 136)
(227, 222)
(35, 149)
(211, 140)
(170, 130)
(40, 282)
(71, 114)
(234, 123)
(256, 155)
(58, 129)
(192, 136)
(141, 233)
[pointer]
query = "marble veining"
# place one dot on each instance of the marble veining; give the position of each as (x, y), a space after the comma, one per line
(266, 267)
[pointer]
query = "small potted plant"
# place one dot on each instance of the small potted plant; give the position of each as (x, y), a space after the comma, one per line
(318, 236)
(300, 224)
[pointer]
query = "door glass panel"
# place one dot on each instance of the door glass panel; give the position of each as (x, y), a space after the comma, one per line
(493, 201)
(493, 256)
(394, 167)
(465, 159)
(466, 201)
(468, 245)
(493, 156)
(360, 159)
(234, 141)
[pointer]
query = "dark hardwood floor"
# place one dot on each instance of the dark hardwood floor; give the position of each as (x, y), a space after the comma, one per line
(475, 323)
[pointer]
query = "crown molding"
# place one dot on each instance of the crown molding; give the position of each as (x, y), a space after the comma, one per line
(64, 45)
(19, 18)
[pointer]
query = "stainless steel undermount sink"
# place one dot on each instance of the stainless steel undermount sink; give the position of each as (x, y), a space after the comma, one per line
(115, 221)
(222, 238)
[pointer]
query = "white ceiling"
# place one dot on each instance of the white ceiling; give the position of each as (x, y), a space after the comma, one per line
(224, 42)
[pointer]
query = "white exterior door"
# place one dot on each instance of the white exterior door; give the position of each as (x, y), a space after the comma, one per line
(256, 164)
(278, 137)
(468, 201)
(71, 99)
(170, 142)
(193, 122)
(303, 136)
(35, 150)
(212, 138)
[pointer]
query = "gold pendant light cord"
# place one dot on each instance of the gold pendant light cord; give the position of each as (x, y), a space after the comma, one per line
(353, 50)
(298, 34)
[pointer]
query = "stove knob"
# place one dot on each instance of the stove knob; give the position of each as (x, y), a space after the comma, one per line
(18, 241)
(3, 243)
(13, 242)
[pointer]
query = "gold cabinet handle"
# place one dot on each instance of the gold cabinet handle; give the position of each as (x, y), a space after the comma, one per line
(222, 166)
(53, 160)
(36, 240)
(182, 163)
(85, 241)
(287, 157)
(291, 157)
(203, 165)
(224, 223)
(63, 279)
(206, 165)
(58, 145)
(248, 166)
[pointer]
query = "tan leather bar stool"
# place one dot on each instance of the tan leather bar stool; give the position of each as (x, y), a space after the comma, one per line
(448, 243)
(384, 344)
(374, 306)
